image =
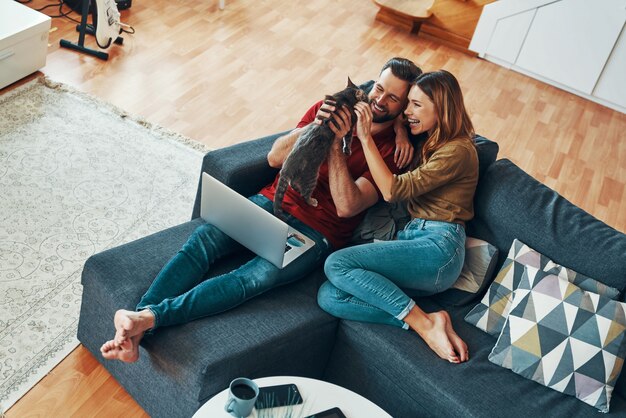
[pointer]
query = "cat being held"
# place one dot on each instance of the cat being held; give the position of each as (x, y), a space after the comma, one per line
(301, 168)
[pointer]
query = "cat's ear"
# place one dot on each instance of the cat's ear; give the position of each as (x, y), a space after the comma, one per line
(350, 83)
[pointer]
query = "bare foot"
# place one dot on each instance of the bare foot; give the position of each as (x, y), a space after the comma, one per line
(459, 345)
(435, 335)
(436, 330)
(130, 323)
(128, 351)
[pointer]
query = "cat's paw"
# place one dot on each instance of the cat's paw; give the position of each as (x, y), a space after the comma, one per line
(347, 150)
(312, 201)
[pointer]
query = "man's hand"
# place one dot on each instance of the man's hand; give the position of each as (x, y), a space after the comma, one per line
(325, 111)
(404, 149)
(340, 124)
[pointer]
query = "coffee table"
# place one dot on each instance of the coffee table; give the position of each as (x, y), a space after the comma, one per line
(318, 396)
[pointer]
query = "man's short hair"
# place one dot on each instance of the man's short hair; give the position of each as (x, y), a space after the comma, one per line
(403, 68)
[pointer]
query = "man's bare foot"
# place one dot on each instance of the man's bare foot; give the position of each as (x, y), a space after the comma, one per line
(436, 330)
(128, 351)
(130, 323)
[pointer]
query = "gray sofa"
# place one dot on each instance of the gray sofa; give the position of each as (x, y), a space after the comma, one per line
(284, 332)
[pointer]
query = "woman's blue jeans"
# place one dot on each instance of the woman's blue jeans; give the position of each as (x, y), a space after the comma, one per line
(181, 292)
(375, 282)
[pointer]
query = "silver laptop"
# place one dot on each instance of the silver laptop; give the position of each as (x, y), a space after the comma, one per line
(250, 225)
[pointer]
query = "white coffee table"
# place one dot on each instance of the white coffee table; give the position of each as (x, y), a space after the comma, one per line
(318, 396)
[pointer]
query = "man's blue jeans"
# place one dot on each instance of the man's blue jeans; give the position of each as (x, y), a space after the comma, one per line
(372, 282)
(181, 292)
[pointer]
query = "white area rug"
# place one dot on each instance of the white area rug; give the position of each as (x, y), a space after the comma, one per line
(77, 176)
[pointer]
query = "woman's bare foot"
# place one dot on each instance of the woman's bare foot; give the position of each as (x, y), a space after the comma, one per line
(436, 330)
(130, 323)
(459, 345)
(435, 335)
(128, 351)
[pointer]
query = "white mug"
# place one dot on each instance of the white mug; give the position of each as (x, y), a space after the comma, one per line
(242, 394)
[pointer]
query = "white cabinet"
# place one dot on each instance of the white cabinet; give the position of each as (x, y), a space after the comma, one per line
(577, 45)
(569, 41)
(508, 36)
(612, 83)
(23, 41)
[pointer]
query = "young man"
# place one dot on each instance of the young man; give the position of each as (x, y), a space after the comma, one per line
(180, 293)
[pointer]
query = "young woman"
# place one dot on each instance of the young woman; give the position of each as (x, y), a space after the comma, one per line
(372, 282)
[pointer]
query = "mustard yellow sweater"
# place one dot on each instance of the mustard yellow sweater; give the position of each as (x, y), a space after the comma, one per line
(442, 188)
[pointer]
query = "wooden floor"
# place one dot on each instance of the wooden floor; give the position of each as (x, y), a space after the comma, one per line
(223, 77)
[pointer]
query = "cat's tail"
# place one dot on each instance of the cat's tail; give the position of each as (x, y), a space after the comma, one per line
(281, 189)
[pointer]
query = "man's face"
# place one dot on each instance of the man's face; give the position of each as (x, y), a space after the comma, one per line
(388, 97)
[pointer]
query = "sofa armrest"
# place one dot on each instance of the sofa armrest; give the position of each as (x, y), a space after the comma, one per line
(242, 167)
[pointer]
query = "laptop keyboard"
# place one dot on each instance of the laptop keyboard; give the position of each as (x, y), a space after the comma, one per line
(287, 247)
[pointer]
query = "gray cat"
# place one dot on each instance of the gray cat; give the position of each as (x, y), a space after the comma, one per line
(301, 167)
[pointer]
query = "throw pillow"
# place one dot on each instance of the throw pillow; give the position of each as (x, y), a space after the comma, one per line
(480, 262)
(563, 337)
(490, 314)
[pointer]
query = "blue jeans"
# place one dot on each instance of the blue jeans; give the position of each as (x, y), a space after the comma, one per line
(181, 292)
(375, 282)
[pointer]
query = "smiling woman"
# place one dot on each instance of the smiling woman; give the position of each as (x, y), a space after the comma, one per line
(437, 107)
(420, 112)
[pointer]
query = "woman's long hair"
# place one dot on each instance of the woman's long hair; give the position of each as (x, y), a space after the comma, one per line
(452, 119)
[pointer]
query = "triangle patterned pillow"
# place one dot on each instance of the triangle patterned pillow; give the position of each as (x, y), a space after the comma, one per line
(490, 314)
(563, 337)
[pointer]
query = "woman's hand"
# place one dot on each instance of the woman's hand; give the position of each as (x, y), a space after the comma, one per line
(364, 121)
(404, 149)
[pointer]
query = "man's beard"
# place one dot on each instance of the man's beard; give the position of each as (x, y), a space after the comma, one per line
(384, 118)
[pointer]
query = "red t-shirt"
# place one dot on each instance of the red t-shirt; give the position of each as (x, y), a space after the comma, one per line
(323, 217)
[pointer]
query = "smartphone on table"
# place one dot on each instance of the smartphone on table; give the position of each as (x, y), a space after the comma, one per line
(279, 395)
(329, 413)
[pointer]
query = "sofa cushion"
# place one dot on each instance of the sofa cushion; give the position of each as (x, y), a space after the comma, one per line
(490, 314)
(511, 204)
(396, 370)
(280, 332)
(563, 337)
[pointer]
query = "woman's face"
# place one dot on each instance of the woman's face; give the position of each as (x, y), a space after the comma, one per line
(420, 112)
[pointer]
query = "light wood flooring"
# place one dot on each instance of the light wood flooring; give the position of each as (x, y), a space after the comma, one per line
(223, 77)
